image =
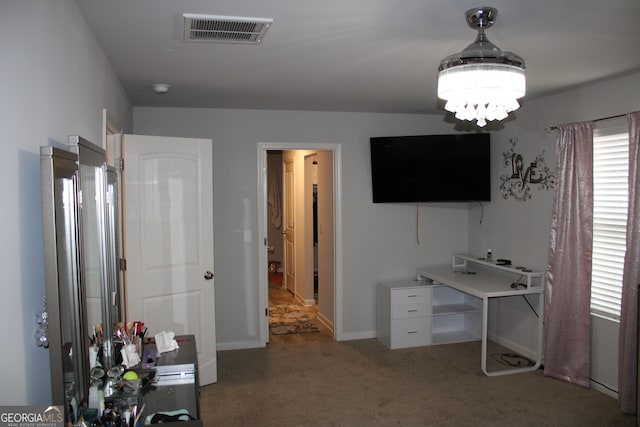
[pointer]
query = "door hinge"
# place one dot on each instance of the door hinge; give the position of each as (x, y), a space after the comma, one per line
(120, 164)
(122, 264)
(265, 241)
(266, 312)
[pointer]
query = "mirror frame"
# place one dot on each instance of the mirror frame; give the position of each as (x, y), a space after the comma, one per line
(63, 281)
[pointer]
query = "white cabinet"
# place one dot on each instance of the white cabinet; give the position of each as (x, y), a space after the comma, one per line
(414, 313)
(457, 316)
(404, 313)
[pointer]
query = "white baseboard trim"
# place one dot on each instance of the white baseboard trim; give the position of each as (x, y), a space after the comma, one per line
(237, 345)
(326, 322)
(526, 352)
(351, 336)
(603, 389)
(303, 301)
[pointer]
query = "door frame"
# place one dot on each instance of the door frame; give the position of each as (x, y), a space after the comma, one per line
(307, 292)
(263, 280)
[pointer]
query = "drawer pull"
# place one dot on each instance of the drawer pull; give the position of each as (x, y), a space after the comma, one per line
(412, 332)
(412, 296)
(412, 310)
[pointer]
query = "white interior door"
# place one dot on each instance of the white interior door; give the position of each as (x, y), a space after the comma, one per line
(169, 239)
(288, 190)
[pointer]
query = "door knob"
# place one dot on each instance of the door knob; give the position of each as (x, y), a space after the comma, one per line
(208, 275)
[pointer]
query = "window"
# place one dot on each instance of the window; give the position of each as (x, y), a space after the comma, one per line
(610, 201)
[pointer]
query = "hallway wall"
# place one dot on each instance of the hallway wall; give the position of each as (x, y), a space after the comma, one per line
(326, 230)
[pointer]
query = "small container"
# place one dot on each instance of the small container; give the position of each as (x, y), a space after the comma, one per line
(489, 256)
(93, 397)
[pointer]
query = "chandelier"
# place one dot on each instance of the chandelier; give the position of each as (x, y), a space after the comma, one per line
(482, 82)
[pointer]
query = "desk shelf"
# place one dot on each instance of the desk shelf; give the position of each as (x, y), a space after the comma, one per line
(446, 309)
(532, 278)
(456, 316)
(452, 337)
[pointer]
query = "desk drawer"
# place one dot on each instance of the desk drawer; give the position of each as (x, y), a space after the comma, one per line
(411, 295)
(410, 332)
(412, 309)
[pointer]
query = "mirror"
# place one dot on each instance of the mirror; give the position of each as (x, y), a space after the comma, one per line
(79, 223)
(112, 302)
(65, 297)
(94, 249)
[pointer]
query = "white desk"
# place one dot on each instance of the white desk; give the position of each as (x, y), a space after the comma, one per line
(490, 281)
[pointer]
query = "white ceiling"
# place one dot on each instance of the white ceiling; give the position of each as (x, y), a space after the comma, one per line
(354, 55)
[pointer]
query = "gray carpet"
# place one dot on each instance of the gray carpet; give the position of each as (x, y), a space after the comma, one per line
(362, 383)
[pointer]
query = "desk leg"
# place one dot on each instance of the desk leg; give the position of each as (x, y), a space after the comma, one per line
(485, 310)
(485, 333)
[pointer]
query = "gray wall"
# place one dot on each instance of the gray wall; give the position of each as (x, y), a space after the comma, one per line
(379, 240)
(55, 81)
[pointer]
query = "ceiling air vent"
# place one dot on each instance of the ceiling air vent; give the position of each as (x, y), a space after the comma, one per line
(224, 29)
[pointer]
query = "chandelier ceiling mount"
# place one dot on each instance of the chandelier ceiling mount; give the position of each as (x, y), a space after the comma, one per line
(482, 82)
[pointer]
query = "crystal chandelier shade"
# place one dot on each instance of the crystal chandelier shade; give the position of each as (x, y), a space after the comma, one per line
(482, 82)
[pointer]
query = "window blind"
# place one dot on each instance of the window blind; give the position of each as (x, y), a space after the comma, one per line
(610, 201)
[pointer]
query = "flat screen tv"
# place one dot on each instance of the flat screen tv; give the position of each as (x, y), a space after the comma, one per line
(431, 168)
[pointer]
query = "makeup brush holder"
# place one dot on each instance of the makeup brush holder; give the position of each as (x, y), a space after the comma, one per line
(130, 356)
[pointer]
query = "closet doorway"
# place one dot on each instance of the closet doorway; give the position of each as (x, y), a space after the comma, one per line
(299, 210)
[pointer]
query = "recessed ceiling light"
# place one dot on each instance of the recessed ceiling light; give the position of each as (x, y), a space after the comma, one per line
(161, 88)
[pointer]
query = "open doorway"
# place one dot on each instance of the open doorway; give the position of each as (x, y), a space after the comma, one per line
(298, 216)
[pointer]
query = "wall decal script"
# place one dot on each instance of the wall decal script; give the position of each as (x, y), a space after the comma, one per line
(517, 180)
